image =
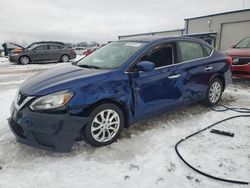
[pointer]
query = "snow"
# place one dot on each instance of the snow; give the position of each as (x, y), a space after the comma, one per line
(143, 157)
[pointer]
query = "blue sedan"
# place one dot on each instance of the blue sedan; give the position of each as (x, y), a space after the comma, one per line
(120, 83)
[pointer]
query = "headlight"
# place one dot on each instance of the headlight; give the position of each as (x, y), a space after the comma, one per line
(52, 101)
(236, 60)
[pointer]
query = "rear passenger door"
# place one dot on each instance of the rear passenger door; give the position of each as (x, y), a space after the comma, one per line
(55, 52)
(197, 67)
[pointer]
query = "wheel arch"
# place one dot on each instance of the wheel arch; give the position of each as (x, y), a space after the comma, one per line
(221, 78)
(114, 101)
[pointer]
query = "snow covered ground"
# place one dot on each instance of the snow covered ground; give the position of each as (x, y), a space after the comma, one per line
(143, 157)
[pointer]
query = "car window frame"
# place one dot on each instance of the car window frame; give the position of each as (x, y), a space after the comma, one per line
(178, 54)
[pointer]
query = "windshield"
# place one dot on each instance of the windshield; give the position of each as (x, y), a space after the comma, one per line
(245, 43)
(111, 56)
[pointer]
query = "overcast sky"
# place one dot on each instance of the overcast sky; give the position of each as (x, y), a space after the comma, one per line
(99, 20)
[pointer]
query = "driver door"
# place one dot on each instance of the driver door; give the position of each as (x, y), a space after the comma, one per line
(40, 53)
(161, 88)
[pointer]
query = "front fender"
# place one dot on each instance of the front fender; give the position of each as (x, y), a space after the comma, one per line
(115, 90)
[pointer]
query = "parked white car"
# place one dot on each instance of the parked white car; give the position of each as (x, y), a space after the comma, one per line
(79, 50)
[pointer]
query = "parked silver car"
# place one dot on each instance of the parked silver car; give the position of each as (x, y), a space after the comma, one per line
(42, 52)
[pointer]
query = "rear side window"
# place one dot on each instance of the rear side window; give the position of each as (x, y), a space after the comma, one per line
(190, 50)
(55, 47)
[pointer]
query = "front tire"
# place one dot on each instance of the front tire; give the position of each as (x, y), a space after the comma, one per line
(214, 92)
(24, 60)
(105, 125)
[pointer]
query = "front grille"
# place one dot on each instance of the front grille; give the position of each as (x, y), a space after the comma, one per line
(20, 98)
(17, 128)
(44, 139)
(241, 73)
(241, 60)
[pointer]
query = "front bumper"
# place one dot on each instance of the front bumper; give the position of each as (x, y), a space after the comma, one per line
(14, 58)
(241, 71)
(55, 132)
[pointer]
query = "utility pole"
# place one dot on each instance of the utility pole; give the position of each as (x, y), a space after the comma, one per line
(243, 4)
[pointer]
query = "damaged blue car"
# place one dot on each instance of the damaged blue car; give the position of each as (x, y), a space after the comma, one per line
(120, 83)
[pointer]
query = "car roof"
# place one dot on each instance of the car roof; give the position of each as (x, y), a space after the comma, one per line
(159, 38)
(49, 42)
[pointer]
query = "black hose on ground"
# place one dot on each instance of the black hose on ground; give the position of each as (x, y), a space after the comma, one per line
(222, 109)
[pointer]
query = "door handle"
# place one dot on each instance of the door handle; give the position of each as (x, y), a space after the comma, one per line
(208, 68)
(174, 76)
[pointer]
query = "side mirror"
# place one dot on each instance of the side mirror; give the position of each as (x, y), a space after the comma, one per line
(145, 66)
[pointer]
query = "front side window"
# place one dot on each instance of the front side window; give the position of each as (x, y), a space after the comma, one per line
(43, 47)
(161, 56)
(245, 43)
(112, 55)
(190, 50)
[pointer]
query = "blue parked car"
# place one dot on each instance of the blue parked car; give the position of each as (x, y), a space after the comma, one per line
(115, 86)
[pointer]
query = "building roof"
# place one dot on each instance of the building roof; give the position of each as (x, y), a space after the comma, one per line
(235, 11)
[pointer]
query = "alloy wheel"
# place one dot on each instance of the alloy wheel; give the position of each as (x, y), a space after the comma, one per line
(65, 58)
(24, 60)
(215, 92)
(105, 125)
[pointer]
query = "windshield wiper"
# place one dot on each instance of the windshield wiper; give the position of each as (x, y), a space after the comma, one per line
(89, 66)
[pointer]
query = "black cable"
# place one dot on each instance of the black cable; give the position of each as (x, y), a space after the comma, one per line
(225, 108)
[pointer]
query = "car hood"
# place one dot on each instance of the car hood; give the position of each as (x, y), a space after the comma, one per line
(61, 78)
(19, 46)
(239, 52)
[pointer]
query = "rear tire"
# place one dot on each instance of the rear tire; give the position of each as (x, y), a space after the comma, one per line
(105, 125)
(214, 92)
(24, 60)
(64, 58)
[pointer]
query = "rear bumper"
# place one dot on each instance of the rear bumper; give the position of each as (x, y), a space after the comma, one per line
(228, 77)
(72, 55)
(55, 132)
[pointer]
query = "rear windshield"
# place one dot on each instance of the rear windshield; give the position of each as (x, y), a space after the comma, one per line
(112, 55)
